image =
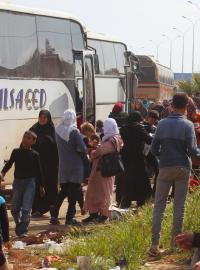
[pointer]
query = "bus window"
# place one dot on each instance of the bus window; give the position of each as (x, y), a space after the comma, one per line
(109, 58)
(18, 45)
(96, 44)
(77, 36)
(55, 48)
(119, 51)
(148, 70)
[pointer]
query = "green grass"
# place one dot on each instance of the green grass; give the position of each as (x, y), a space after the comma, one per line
(129, 238)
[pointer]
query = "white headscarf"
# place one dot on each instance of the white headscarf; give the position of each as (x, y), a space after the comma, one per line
(67, 125)
(110, 128)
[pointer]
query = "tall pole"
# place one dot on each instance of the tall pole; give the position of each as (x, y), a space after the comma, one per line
(193, 39)
(183, 52)
(170, 49)
(157, 48)
(193, 44)
(183, 45)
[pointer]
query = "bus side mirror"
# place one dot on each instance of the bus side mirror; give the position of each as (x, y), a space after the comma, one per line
(96, 63)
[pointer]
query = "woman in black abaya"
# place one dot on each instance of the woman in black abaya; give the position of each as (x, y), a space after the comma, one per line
(136, 185)
(47, 148)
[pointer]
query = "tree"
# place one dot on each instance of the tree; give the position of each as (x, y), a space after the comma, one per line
(190, 87)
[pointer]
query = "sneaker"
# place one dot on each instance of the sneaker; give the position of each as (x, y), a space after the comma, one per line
(72, 222)
(154, 251)
(54, 221)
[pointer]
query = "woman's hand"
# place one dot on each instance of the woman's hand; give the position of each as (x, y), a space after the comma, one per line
(185, 240)
(42, 192)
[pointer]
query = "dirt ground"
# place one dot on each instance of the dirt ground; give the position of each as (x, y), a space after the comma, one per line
(40, 228)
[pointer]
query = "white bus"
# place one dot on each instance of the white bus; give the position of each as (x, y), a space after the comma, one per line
(113, 66)
(38, 53)
(47, 62)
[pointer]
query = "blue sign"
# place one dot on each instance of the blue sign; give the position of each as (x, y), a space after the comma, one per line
(31, 99)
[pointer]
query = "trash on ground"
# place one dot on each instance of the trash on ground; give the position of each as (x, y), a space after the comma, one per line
(53, 235)
(19, 245)
(117, 213)
(55, 248)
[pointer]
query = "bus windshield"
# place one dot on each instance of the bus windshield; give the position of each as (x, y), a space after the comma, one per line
(33, 46)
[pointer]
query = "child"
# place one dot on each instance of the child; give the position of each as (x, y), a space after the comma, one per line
(4, 233)
(27, 171)
(151, 123)
(94, 142)
(151, 160)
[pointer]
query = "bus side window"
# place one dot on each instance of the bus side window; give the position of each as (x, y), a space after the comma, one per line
(77, 36)
(109, 58)
(55, 48)
(119, 51)
(18, 46)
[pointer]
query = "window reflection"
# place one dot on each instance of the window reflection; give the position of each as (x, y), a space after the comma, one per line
(119, 51)
(37, 46)
(18, 45)
(54, 42)
(96, 44)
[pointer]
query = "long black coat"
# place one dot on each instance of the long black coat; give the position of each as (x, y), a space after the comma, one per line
(136, 186)
(47, 148)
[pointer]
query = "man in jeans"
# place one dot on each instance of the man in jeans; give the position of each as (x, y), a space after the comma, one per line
(174, 143)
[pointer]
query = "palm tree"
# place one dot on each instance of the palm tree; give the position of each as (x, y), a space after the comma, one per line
(190, 87)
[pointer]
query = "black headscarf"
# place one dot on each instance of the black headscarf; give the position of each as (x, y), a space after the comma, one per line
(134, 117)
(44, 130)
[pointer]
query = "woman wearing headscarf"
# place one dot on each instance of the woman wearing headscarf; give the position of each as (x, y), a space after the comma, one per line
(47, 148)
(71, 150)
(138, 106)
(136, 185)
(118, 114)
(100, 189)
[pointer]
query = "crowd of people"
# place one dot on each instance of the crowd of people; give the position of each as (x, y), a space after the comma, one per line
(155, 141)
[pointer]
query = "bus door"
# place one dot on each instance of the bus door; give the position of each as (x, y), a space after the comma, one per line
(132, 70)
(85, 86)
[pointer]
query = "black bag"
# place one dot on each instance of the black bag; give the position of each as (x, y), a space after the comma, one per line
(111, 164)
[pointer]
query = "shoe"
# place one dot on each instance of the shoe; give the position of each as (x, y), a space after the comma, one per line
(93, 218)
(154, 251)
(72, 222)
(23, 235)
(103, 219)
(54, 221)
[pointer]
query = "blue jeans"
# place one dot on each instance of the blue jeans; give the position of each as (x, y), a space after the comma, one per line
(22, 202)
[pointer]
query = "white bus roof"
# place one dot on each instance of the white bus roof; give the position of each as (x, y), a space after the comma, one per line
(101, 36)
(36, 11)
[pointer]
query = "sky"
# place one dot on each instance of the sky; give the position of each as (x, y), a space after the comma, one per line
(136, 22)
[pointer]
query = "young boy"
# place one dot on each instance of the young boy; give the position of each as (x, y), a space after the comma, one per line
(27, 171)
(152, 121)
(152, 161)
